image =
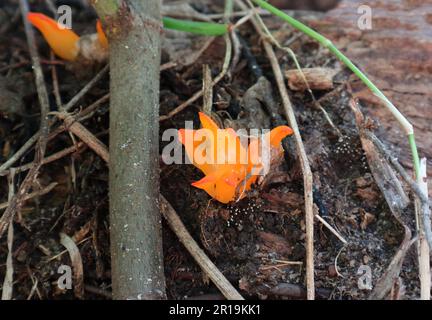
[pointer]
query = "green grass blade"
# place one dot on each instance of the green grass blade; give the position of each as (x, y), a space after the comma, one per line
(197, 27)
(408, 128)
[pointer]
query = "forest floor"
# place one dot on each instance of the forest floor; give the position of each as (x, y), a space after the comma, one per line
(258, 242)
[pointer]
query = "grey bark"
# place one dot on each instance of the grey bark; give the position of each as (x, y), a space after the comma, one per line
(133, 29)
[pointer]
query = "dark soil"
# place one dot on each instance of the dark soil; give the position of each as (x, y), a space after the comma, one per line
(258, 243)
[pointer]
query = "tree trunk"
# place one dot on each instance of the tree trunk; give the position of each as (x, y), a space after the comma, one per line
(133, 29)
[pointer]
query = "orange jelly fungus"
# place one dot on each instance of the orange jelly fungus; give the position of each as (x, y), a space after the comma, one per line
(101, 35)
(229, 167)
(63, 42)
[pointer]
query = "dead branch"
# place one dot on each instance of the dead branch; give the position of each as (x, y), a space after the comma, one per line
(384, 175)
(207, 90)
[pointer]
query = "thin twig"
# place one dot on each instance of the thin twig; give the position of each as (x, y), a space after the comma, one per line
(304, 162)
(332, 230)
(307, 173)
(84, 90)
(229, 6)
(8, 280)
(95, 290)
(21, 151)
(197, 95)
(423, 247)
(17, 202)
(207, 90)
(64, 251)
(236, 51)
(168, 65)
(87, 112)
(200, 257)
(55, 82)
(34, 287)
(51, 6)
(38, 193)
(84, 134)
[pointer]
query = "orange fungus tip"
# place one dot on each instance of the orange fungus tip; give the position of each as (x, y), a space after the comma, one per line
(225, 181)
(63, 41)
(101, 35)
(278, 134)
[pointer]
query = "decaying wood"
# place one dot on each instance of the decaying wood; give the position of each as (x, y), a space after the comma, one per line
(133, 28)
(317, 78)
(384, 175)
(396, 199)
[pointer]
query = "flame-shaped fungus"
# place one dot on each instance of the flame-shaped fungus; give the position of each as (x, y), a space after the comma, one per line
(64, 42)
(101, 35)
(230, 168)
